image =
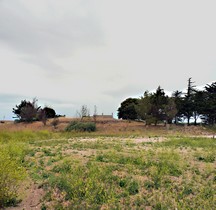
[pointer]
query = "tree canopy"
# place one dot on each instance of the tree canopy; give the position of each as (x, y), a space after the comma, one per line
(28, 111)
(127, 110)
(158, 107)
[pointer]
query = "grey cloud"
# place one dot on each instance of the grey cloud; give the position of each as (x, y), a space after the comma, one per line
(56, 36)
(46, 63)
(16, 98)
(39, 40)
(126, 91)
(58, 102)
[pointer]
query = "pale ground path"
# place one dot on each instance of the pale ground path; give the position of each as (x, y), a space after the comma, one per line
(32, 201)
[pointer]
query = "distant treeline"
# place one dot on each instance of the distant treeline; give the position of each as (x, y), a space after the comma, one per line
(180, 107)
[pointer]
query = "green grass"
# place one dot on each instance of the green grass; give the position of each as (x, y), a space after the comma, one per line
(113, 172)
(193, 142)
(12, 172)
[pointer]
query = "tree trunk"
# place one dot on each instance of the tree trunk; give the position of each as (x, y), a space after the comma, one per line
(188, 120)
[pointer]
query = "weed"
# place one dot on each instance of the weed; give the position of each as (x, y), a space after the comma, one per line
(41, 161)
(64, 168)
(123, 183)
(101, 158)
(51, 161)
(208, 157)
(48, 152)
(133, 187)
(43, 207)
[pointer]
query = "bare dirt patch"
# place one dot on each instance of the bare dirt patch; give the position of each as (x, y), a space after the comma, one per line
(153, 140)
(32, 199)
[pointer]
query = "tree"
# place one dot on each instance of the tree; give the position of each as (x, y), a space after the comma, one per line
(159, 101)
(156, 107)
(209, 104)
(178, 99)
(27, 111)
(95, 113)
(46, 113)
(49, 112)
(84, 112)
(188, 104)
(170, 110)
(199, 105)
(127, 109)
(144, 108)
(42, 116)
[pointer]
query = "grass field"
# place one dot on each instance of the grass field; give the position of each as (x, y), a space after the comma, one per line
(58, 170)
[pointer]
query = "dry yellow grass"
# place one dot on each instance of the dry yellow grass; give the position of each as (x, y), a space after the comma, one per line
(109, 126)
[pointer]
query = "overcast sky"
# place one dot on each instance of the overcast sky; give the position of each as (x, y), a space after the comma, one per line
(99, 52)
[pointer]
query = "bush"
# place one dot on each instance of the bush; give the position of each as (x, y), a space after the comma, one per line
(81, 126)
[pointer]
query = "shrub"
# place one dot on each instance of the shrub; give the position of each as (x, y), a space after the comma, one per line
(81, 126)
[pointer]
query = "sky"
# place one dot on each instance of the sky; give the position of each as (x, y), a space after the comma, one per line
(71, 53)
